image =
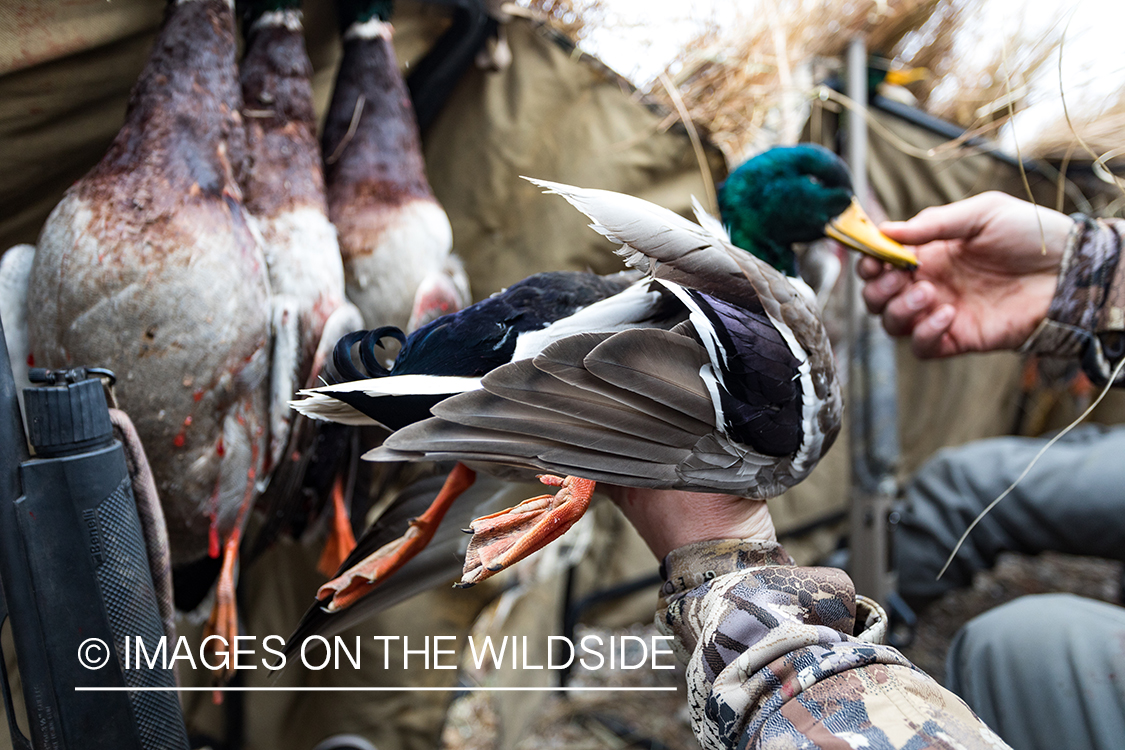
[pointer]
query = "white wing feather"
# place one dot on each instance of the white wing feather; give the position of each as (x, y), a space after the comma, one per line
(328, 409)
(318, 403)
(713, 226)
(403, 385)
(647, 232)
(629, 309)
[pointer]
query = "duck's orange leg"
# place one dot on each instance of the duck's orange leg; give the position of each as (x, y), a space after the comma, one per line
(354, 583)
(223, 621)
(341, 540)
(509, 536)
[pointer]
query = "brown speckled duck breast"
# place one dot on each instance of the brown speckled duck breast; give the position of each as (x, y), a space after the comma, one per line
(149, 266)
(393, 232)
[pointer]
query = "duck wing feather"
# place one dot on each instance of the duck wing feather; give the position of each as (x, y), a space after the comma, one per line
(609, 420)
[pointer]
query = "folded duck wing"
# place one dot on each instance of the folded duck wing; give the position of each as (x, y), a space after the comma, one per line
(616, 417)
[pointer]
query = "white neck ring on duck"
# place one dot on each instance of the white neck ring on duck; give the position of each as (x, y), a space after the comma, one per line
(290, 18)
(230, 3)
(370, 29)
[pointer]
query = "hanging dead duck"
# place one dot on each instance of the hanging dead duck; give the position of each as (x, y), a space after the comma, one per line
(283, 184)
(149, 266)
(394, 236)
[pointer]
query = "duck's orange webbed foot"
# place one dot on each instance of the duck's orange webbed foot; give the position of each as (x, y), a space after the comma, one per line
(509, 536)
(354, 583)
(341, 540)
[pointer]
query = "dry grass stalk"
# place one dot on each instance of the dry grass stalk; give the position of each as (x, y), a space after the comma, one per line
(748, 83)
(1103, 134)
(574, 18)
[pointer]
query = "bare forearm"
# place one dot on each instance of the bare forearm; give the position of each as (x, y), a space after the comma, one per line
(667, 519)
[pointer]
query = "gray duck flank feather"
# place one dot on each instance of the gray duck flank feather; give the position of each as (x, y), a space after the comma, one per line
(491, 412)
(626, 361)
(559, 361)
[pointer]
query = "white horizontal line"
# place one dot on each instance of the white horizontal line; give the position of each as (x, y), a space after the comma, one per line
(368, 689)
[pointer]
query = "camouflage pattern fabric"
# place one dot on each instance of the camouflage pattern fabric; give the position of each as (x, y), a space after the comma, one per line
(1087, 314)
(773, 661)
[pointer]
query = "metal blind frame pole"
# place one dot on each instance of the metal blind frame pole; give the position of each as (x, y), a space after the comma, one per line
(872, 385)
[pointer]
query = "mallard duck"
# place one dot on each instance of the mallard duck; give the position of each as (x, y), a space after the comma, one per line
(711, 373)
(394, 236)
(283, 187)
(149, 266)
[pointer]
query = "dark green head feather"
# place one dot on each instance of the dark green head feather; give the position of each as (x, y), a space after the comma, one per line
(361, 11)
(252, 10)
(785, 195)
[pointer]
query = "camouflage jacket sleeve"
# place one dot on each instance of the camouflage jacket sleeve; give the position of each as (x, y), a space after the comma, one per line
(1087, 315)
(780, 656)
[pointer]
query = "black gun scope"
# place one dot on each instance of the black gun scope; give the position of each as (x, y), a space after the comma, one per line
(75, 575)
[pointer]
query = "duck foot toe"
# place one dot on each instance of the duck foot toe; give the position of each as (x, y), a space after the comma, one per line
(503, 538)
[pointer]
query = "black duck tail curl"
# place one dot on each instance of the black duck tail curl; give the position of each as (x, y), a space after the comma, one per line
(344, 367)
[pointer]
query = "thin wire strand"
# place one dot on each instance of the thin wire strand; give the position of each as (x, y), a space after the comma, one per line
(1060, 195)
(352, 126)
(1105, 174)
(1112, 379)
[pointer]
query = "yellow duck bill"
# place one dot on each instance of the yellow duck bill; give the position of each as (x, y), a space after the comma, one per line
(855, 229)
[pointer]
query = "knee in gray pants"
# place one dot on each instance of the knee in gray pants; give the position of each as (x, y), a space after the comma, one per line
(1045, 671)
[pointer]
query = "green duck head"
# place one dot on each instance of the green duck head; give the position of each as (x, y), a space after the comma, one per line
(794, 194)
(361, 11)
